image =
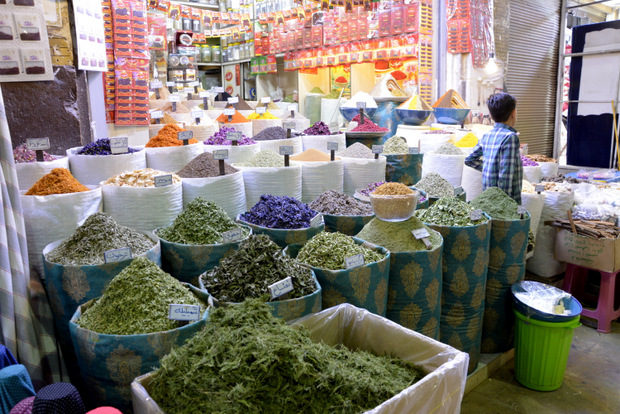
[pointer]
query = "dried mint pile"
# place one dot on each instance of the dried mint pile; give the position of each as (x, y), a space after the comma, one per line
(395, 145)
(249, 270)
(99, 233)
(329, 251)
(279, 212)
(101, 147)
(449, 211)
(247, 361)
(497, 204)
(397, 236)
(339, 204)
(435, 186)
(143, 292)
(201, 222)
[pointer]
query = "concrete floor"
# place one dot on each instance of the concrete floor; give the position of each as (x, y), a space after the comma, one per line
(591, 382)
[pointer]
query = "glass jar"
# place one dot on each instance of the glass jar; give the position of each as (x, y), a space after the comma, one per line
(225, 54)
(216, 54)
(235, 52)
(205, 54)
(251, 48)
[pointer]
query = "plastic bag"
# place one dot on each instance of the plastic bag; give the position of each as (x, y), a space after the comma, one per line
(544, 298)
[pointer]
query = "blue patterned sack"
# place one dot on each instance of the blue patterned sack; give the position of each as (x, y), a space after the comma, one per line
(404, 168)
(285, 237)
(349, 225)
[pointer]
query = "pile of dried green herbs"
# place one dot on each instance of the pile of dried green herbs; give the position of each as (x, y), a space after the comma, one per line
(396, 236)
(248, 271)
(497, 204)
(247, 361)
(330, 250)
(136, 301)
(99, 233)
(449, 211)
(201, 222)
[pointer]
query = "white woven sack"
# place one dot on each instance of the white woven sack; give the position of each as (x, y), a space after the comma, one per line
(92, 169)
(450, 167)
(275, 144)
(534, 203)
(301, 122)
(359, 172)
(143, 208)
(172, 159)
(28, 173)
(237, 153)
(244, 127)
(319, 142)
(471, 182)
(542, 262)
(532, 174)
(184, 117)
(203, 132)
(318, 177)
(54, 217)
(277, 181)
(214, 113)
(429, 142)
(548, 169)
(259, 125)
(227, 191)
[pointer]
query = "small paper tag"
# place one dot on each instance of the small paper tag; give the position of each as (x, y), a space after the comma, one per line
(194, 84)
(377, 149)
(286, 150)
(119, 145)
(414, 150)
(521, 210)
(261, 110)
(458, 191)
(218, 89)
(157, 114)
(234, 135)
(281, 287)
(231, 236)
(188, 90)
(289, 124)
(174, 98)
(233, 100)
(156, 84)
(229, 111)
(420, 233)
(539, 188)
(170, 84)
(334, 127)
(38, 144)
(196, 114)
(317, 220)
(180, 312)
(220, 154)
(265, 99)
(360, 105)
(185, 135)
(332, 146)
(163, 180)
(476, 215)
(203, 94)
(354, 261)
(117, 255)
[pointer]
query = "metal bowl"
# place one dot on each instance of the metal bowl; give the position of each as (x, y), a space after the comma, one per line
(451, 115)
(349, 113)
(413, 116)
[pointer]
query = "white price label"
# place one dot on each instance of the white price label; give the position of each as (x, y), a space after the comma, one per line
(119, 145)
(281, 287)
(117, 255)
(521, 210)
(261, 110)
(203, 94)
(218, 89)
(163, 180)
(286, 150)
(196, 114)
(539, 188)
(334, 127)
(188, 90)
(194, 84)
(233, 100)
(332, 146)
(229, 111)
(377, 149)
(414, 150)
(458, 191)
(220, 154)
(234, 135)
(421, 233)
(289, 124)
(180, 312)
(157, 114)
(231, 236)
(170, 84)
(38, 144)
(316, 220)
(354, 261)
(156, 84)
(476, 215)
(361, 105)
(265, 99)
(174, 98)
(185, 135)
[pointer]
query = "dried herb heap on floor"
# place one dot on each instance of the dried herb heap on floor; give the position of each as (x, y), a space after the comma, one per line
(204, 166)
(246, 360)
(143, 292)
(435, 186)
(99, 233)
(201, 222)
(248, 271)
(339, 204)
(449, 211)
(57, 181)
(279, 212)
(497, 204)
(397, 236)
(330, 250)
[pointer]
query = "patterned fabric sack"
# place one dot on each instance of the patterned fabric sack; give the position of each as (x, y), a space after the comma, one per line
(286, 237)
(404, 168)
(349, 225)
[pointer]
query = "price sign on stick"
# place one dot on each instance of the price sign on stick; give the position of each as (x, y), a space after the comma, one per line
(181, 312)
(539, 188)
(221, 155)
(170, 86)
(317, 220)
(205, 99)
(281, 288)
(332, 147)
(287, 151)
(414, 150)
(234, 137)
(265, 99)
(423, 234)
(522, 211)
(229, 112)
(119, 145)
(174, 99)
(117, 255)
(157, 116)
(189, 92)
(197, 115)
(458, 191)
(156, 86)
(231, 236)
(476, 215)
(218, 89)
(261, 110)
(185, 136)
(38, 145)
(377, 149)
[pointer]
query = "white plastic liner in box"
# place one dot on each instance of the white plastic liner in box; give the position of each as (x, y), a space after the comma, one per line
(53, 217)
(532, 174)
(471, 182)
(172, 159)
(244, 127)
(359, 172)
(143, 208)
(277, 181)
(237, 153)
(28, 173)
(542, 263)
(440, 392)
(548, 169)
(92, 169)
(259, 125)
(319, 142)
(227, 191)
(534, 203)
(275, 144)
(450, 167)
(318, 177)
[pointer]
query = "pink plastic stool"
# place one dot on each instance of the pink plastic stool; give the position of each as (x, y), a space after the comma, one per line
(605, 312)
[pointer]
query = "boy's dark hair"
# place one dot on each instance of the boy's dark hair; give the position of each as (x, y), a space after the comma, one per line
(501, 106)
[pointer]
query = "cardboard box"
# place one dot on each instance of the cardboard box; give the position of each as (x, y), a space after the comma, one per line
(599, 254)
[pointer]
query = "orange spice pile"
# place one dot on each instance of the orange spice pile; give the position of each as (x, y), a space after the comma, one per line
(57, 181)
(167, 137)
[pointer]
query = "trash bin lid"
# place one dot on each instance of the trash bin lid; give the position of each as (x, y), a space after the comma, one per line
(544, 302)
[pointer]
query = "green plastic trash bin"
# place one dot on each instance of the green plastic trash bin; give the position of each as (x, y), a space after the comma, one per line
(541, 351)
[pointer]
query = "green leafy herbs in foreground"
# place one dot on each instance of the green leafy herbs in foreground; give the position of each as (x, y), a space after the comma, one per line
(449, 211)
(136, 301)
(497, 204)
(247, 361)
(248, 271)
(330, 250)
(201, 222)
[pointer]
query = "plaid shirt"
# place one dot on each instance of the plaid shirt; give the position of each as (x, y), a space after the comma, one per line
(502, 166)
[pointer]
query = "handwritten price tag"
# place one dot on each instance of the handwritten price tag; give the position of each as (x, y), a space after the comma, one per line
(521, 210)
(38, 144)
(203, 94)
(194, 84)
(174, 98)
(156, 84)
(233, 100)
(180, 312)
(234, 135)
(261, 110)
(288, 124)
(317, 220)
(539, 188)
(414, 150)
(119, 145)
(229, 111)
(170, 84)
(334, 127)
(185, 135)
(332, 146)
(117, 255)
(163, 180)
(354, 261)
(476, 215)
(286, 150)
(157, 114)
(218, 89)
(421, 233)
(281, 287)
(220, 154)
(361, 105)
(265, 99)
(377, 149)
(231, 236)
(196, 114)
